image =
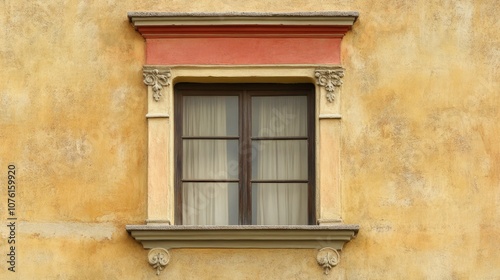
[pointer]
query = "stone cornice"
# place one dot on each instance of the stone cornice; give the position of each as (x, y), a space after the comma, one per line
(199, 25)
(304, 18)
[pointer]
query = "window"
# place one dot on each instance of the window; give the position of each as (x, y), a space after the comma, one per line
(244, 154)
(197, 169)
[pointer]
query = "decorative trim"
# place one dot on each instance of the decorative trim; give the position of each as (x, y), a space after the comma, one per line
(329, 79)
(245, 18)
(158, 258)
(156, 79)
(244, 236)
(328, 258)
(157, 235)
(330, 116)
(157, 115)
(159, 238)
(237, 25)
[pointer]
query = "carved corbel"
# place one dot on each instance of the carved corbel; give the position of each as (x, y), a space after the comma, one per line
(158, 258)
(328, 258)
(330, 79)
(157, 79)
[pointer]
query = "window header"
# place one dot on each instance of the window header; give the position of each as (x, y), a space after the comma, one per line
(228, 38)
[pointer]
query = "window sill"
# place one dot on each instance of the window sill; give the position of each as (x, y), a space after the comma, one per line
(328, 239)
(168, 236)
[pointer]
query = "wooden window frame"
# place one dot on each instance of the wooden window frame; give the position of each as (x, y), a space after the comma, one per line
(245, 92)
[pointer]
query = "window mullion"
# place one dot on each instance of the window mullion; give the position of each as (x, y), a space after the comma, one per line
(246, 154)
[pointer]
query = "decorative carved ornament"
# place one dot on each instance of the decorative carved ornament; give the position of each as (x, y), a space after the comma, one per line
(157, 79)
(330, 79)
(328, 258)
(158, 258)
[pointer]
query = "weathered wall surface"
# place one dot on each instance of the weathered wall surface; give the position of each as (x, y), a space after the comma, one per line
(421, 149)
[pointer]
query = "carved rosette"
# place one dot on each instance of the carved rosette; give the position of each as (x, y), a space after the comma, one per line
(328, 258)
(158, 258)
(157, 79)
(330, 79)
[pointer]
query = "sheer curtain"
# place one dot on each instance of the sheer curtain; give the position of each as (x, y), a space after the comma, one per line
(204, 203)
(279, 203)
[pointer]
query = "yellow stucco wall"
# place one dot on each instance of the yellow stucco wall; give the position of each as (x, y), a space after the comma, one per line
(420, 142)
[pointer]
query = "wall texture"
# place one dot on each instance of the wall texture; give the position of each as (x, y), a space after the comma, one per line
(420, 155)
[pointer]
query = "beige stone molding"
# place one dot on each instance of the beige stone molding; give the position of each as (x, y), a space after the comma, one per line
(339, 18)
(243, 236)
(328, 258)
(157, 79)
(330, 79)
(158, 258)
(328, 239)
(159, 233)
(161, 206)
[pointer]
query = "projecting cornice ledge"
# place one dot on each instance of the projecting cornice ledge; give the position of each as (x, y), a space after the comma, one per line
(246, 18)
(202, 25)
(328, 239)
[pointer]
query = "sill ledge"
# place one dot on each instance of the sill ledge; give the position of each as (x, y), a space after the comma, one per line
(168, 236)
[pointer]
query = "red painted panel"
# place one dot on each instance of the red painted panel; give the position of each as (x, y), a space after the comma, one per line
(227, 51)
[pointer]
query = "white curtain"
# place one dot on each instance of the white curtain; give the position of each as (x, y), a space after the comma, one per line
(280, 203)
(273, 203)
(204, 203)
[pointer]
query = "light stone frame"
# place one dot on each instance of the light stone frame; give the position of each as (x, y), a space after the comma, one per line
(159, 234)
(160, 117)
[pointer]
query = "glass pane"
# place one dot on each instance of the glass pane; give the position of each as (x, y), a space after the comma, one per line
(209, 203)
(279, 160)
(274, 116)
(210, 116)
(209, 159)
(279, 204)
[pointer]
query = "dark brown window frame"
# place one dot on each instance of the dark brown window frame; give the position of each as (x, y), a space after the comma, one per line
(245, 92)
